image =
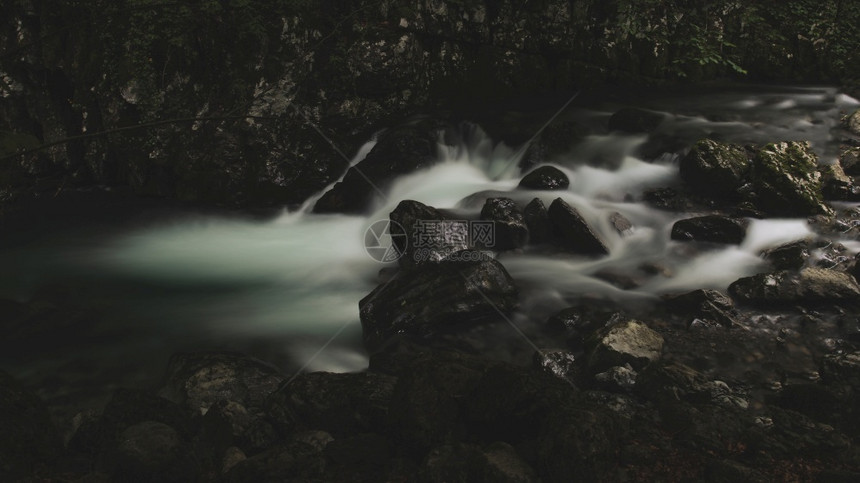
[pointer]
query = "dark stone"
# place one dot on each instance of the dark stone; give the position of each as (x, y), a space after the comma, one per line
(842, 369)
(199, 380)
(617, 379)
(791, 256)
(669, 199)
(545, 178)
(716, 168)
(28, 439)
(836, 185)
(704, 304)
(849, 159)
(786, 179)
(625, 342)
(572, 231)
(399, 151)
(424, 234)
(337, 403)
(228, 423)
(293, 461)
(710, 228)
(510, 229)
(621, 224)
(812, 286)
(560, 363)
(152, 451)
(634, 120)
(668, 381)
(536, 218)
(437, 297)
(463, 462)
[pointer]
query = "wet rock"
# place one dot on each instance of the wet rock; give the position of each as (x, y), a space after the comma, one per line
(786, 179)
(152, 451)
(852, 122)
(424, 234)
(463, 462)
(560, 363)
(704, 304)
(28, 439)
(545, 178)
(337, 403)
(836, 185)
(510, 229)
(619, 278)
(710, 228)
(716, 168)
(849, 159)
(842, 368)
(618, 378)
(438, 297)
(578, 322)
(811, 286)
(668, 381)
(399, 151)
(621, 224)
(626, 342)
(536, 218)
(572, 231)
(199, 380)
(791, 256)
(669, 199)
(228, 423)
(634, 120)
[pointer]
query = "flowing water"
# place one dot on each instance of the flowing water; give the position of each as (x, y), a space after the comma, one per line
(288, 288)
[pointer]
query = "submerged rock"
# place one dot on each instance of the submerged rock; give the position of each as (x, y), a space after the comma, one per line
(621, 224)
(810, 286)
(635, 120)
(715, 167)
(791, 256)
(627, 342)
(437, 297)
(545, 178)
(510, 229)
(711, 228)
(787, 181)
(536, 218)
(572, 231)
(423, 234)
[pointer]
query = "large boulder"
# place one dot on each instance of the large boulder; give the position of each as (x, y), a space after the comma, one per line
(536, 218)
(787, 181)
(811, 286)
(715, 167)
(28, 438)
(545, 178)
(572, 231)
(509, 226)
(437, 297)
(625, 342)
(398, 152)
(423, 234)
(789, 256)
(710, 228)
(635, 120)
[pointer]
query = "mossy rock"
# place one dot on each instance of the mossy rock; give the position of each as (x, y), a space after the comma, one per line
(787, 181)
(715, 167)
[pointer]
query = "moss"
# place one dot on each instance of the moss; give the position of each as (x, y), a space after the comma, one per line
(787, 180)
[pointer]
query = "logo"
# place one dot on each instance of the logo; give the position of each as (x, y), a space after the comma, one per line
(381, 244)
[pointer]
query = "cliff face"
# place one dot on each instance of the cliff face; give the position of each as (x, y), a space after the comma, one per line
(243, 101)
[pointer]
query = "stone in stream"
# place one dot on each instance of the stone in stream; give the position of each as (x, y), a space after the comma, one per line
(849, 159)
(626, 342)
(811, 286)
(425, 235)
(438, 297)
(786, 179)
(836, 185)
(790, 256)
(536, 218)
(852, 122)
(545, 178)
(621, 224)
(710, 228)
(704, 304)
(509, 226)
(398, 152)
(715, 167)
(572, 231)
(634, 120)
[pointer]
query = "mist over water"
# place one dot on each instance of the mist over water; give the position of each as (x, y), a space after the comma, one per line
(298, 278)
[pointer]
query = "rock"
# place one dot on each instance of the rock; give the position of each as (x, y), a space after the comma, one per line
(229, 424)
(621, 224)
(715, 168)
(232, 457)
(199, 380)
(152, 451)
(710, 228)
(545, 178)
(292, 461)
(791, 256)
(572, 231)
(842, 369)
(849, 159)
(669, 199)
(670, 381)
(424, 234)
(618, 378)
(704, 304)
(399, 151)
(560, 363)
(836, 185)
(463, 462)
(812, 286)
(438, 297)
(626, 342)
(852, 122)
(510, 229)
(578, 322)
(634, 120)
(786, 179)
(618, 277)
(536, 218)
(28, 439)
(337, 403)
